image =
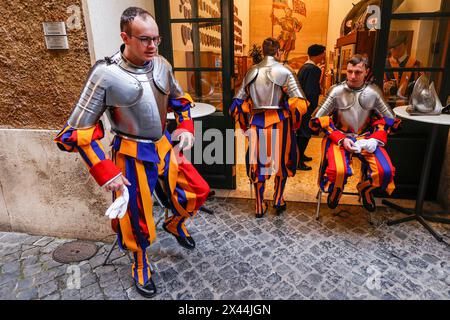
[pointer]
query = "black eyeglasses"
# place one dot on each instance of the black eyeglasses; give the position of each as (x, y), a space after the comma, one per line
(147, 40)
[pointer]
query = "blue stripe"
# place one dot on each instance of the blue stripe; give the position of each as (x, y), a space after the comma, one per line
(179, 229)
(182, 199)
(147, 152)
(259, 120)
(145, 267)
(85, 157)
(237, 104)
(386, 168)
(135, 273)
(98, 150)
(151, 171)
(133, 205)
(116, 143)
(283, 149)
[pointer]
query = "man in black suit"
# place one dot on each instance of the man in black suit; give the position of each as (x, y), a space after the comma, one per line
(309, 78)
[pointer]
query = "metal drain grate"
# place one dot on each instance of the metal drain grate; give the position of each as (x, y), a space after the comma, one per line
(75, 251)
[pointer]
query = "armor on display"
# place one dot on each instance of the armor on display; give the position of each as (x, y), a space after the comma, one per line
(424, 99)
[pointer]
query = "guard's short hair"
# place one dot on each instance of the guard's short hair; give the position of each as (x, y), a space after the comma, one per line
(129, 15)
(357, 59)
(270, 46)
(316, 50)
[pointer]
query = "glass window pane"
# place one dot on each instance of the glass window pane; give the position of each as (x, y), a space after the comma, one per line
(424, 40)
(202, 86)
(183, 9)
(417, 6)
(397, 94)
(209, 39)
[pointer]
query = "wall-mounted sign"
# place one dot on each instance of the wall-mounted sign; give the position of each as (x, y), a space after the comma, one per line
(55, 35)
(54, 28)
(56, 42)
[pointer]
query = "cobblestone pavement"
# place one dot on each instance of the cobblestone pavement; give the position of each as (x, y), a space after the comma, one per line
(292, 256)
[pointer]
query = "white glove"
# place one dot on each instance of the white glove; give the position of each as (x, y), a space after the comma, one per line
(370, 145)
(186, 140)
(359, 145)
(119, 206)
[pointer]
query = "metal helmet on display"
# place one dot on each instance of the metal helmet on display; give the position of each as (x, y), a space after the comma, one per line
(424, 99)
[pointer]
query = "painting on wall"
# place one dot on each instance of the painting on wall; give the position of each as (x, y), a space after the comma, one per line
(296, 24)
(289, 24)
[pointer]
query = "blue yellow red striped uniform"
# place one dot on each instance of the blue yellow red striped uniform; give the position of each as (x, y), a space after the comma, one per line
(336, 162)
(143, 164)
(279, 151)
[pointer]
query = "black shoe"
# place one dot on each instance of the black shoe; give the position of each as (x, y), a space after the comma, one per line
(306, 158)
(304, 167)
(280, 209)
(333, 203)
(260, 215)
(147, 290)
(368, 200)
(186, 242)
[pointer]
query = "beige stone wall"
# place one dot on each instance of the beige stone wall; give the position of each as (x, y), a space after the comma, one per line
(45, 191)
(444, 184)
(38, 87)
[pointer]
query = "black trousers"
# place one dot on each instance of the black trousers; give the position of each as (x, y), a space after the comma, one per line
(304, 134)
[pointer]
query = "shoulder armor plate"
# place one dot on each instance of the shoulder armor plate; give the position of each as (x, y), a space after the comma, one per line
(162, 73)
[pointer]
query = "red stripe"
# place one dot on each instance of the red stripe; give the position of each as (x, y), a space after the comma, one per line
(331, 169)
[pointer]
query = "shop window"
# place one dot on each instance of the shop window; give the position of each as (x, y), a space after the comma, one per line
(419, 6)
(202, 86)
(423, 39)
(182, 9)
(208, 41)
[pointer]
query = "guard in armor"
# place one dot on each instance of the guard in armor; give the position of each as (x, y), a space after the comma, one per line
(269, 107)
(136, 88)
(356, 121)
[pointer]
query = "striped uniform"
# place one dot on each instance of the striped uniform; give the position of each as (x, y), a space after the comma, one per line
(271, 147)
(336, 161)
(143, 164)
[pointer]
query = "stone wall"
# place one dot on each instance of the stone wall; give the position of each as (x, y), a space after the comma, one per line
(45, 191)
(38, 87)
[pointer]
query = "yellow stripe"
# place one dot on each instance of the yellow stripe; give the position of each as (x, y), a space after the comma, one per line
(190, 196)
(125, 224)
(128, 147)
(84, 137)
(140, 267)
(340, 167)
(187, 96)
(90, 153)
(370, 158)
(183, 227)
(146, 199)
(324, 122)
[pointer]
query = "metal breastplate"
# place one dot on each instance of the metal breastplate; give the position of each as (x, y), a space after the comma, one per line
(266, 88)
(352, 116)
(265, 93)
(138, 110)
(353, 109)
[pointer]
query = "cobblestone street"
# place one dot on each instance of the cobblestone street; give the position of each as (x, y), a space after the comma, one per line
(292, 256)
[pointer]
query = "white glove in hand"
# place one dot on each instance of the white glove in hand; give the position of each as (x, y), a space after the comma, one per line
(359, 145)
(370, 145)
(186, 140)
(119, 206)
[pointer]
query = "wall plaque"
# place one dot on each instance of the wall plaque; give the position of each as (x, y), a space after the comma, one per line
(55, 35)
